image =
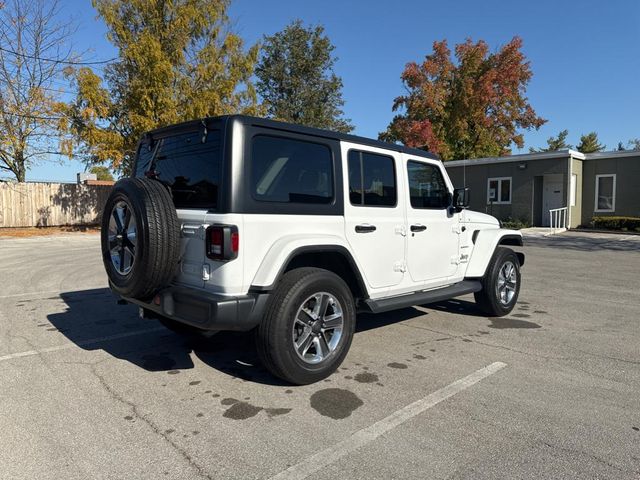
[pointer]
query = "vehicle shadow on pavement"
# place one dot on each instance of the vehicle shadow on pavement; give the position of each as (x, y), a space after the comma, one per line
(459, 307)
(94, 320)
(370, 321)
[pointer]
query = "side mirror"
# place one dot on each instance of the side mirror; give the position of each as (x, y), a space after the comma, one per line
(461, 198)
(447, 199)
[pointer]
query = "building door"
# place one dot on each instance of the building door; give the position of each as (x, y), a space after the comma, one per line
(552, 196)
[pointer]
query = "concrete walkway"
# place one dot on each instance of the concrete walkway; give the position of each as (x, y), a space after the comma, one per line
(541, 231)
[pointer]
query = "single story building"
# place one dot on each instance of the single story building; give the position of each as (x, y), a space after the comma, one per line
(573, 186)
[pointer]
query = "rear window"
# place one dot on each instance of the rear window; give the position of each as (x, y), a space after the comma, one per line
(291, 171)
(188, 163)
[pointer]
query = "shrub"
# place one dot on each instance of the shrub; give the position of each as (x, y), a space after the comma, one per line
(631, 224)
(515, 224)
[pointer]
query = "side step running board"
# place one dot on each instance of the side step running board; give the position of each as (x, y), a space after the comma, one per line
(421, 298)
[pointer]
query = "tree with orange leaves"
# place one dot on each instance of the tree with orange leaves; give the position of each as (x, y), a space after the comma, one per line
(474, 107)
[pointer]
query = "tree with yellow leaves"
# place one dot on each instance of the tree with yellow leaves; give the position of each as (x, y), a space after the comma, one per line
(177, 61)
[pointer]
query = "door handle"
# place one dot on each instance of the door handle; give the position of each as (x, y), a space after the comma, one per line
(365, 228)
(418, 228)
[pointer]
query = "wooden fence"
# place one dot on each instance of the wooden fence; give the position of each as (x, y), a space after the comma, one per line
(51, 204)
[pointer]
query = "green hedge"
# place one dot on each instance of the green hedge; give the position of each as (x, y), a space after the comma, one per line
(515, 224)
(616, 223)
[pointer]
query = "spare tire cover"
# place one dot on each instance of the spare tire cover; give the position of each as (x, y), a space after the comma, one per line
(140, 237)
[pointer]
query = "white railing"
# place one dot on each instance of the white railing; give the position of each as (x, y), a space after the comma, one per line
(558, 218)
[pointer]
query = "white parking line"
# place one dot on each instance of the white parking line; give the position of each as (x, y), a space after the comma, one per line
(30, 353)
(362, 437)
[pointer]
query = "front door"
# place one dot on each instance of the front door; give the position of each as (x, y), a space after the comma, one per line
(432, 227)
(374, 213)
(552, 196)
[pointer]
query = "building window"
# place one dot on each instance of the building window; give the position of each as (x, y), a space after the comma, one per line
(372, 179)
(499, 190)
(605, 193)
(574, 182)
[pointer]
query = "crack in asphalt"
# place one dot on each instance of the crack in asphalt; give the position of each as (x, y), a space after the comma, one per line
(136, 413)
(568, 450)
(607, 357)
(492, 345)
(587, 454)
(502, 347)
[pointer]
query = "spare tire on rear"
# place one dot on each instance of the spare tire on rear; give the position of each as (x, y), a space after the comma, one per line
(140, 237)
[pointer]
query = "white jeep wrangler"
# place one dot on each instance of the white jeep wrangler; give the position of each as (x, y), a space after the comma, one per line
(240, 223)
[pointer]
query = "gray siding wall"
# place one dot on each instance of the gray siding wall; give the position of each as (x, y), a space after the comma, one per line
(522, 189)
(627, 171)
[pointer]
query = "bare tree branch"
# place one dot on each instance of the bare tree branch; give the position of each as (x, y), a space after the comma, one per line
(35, 49)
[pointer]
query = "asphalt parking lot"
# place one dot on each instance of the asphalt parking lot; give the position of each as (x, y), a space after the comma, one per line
(552, 391)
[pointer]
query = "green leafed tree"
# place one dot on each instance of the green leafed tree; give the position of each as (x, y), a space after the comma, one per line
(475, 106)
(177, 60)
(589, 143)
(555, 143)
(101, 172)
(296, 78)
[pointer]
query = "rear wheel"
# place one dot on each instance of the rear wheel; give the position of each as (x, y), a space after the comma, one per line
(500, 284)
(308, 326)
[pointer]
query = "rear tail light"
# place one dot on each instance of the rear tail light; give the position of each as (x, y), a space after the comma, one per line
(235, 242)
(223, 242)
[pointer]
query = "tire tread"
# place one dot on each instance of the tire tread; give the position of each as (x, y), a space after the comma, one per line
(485, 299)
(158, 239)
(269, 333)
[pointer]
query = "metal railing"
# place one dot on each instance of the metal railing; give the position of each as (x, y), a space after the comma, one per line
(558, 218)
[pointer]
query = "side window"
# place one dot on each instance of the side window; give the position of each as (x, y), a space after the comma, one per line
(291, 171)
(427, 188)
(372, 179)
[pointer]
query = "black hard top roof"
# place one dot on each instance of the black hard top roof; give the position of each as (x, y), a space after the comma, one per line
(292, 127)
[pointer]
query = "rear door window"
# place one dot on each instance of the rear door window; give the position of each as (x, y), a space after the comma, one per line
(291, 171)
(188, 163)
(372, 179)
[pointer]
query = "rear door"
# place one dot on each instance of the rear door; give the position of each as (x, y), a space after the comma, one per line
(188, 162)
(432, 227)
(374, 213)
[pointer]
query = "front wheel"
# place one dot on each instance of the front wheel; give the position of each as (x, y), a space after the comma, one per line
(500, 284)
(308, 326)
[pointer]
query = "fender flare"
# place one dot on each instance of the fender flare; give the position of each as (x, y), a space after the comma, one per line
(283, 251)
(486, 242)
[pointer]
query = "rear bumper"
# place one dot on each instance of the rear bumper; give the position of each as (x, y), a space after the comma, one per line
(206, 310)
